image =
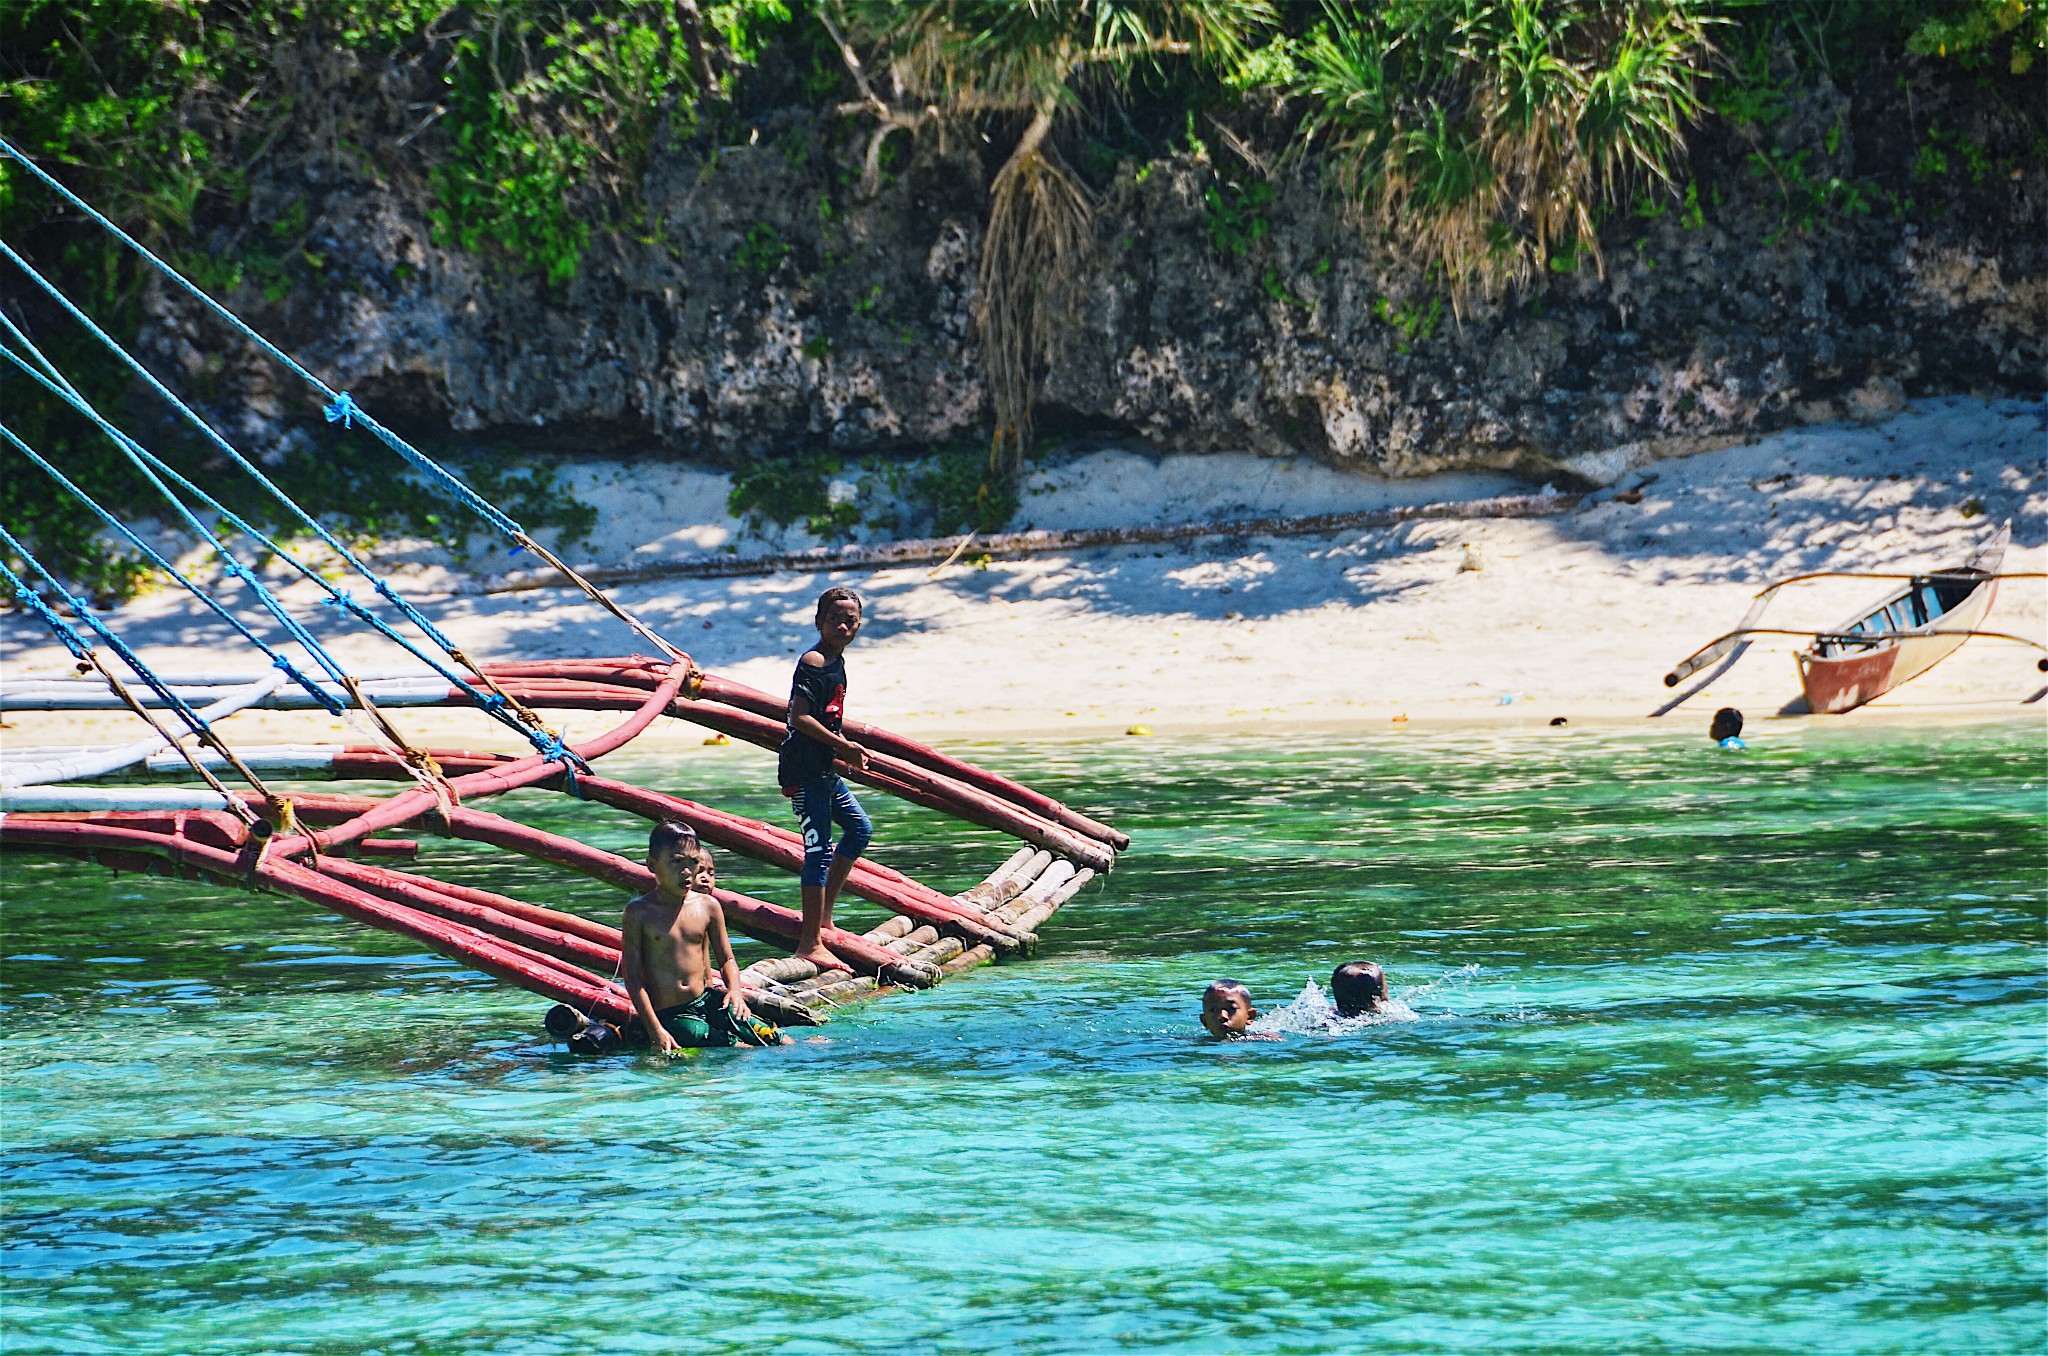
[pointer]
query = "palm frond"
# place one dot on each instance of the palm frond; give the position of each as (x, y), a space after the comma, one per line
(1487, 132)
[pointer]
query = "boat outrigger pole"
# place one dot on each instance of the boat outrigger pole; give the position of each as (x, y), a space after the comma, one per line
(1709, 653)
(1715, 649)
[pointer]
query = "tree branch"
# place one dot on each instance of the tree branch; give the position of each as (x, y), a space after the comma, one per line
(869, 99)
(691, 22)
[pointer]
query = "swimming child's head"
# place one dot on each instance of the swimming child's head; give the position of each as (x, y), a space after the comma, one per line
(1227, 1009)
(672, 850)
(705, 875)
(1358, 987)
(1727, 724)
(839, 616)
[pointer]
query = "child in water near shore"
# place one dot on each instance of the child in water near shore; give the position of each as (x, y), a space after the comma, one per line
(1358, 988)
(1227, 1012)
(1358, 997)
(672, 934)
(810, 778)
(1726, 730)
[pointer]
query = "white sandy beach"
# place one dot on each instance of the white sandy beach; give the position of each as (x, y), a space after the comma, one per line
(1486, 622)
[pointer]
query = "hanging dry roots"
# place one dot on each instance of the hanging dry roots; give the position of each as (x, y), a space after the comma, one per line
(1036, 242)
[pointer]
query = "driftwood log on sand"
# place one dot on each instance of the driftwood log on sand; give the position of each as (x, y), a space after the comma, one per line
(1040, 541)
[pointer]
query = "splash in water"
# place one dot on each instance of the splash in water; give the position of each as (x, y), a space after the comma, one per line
(1313, 1014)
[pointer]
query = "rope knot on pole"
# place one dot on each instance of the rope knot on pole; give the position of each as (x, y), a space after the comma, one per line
(343, 411)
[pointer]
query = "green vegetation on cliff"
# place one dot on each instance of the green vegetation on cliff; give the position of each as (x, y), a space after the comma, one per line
(1493, 138)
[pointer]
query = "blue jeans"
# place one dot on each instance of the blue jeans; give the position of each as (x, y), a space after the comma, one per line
(820, 804)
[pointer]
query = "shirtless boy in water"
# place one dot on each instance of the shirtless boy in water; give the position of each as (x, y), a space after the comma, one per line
(671, 935)
(1227, 1012)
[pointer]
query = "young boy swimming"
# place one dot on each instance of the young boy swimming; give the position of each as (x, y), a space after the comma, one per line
(810, 778)
(1727, 728)
(1358, 988)
(1227, 1012)
(671, 936)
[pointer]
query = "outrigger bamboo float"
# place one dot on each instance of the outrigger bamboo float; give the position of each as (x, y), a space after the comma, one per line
(1887, 644)
(337, 856)
(335, 850)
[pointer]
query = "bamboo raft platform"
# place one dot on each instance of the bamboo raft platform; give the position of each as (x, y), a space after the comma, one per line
(336, 850)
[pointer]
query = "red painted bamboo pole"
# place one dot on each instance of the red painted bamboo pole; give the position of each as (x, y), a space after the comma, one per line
(602, 935)
(495, 915)
(508, 777)
(913, 784)
(367, 762)
(760, 703)
(216, 827)
(785, 849)
(640, 671)
(778, 847)
(503, 960)
(503, 916)
(885, 772)
(490, 914)
(754, 917)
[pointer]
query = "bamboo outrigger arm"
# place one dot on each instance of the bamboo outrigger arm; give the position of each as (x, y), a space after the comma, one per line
(1720, 645)
(1714, 650)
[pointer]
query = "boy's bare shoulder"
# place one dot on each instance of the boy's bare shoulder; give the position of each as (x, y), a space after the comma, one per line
(813, 659)
(641, 907)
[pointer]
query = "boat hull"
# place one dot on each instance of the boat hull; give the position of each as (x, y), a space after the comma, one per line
(1842, 682)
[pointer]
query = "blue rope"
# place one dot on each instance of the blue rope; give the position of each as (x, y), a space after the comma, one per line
(555, 751)
(341, 408)
(489, 701)
(82, 205)
(76, 643)
(229, 561)
(312, 524)
(333, 705)
(33, 601)
(336, 599)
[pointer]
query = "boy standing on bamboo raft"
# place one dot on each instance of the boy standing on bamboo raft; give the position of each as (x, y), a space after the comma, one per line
(810, 777)
(671, 935)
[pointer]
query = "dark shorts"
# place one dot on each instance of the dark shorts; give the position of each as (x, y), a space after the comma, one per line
(820, 804)
(705, 1020)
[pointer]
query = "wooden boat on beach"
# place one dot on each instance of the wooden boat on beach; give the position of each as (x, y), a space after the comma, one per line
(1916, 626)
(1902, 636)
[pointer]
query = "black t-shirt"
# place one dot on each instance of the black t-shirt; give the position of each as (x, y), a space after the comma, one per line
(804, 759)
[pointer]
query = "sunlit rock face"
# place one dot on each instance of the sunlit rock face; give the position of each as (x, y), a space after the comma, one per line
(768, 304)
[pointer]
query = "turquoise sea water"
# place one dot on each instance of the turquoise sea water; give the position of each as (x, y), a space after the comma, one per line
(1736, 1053)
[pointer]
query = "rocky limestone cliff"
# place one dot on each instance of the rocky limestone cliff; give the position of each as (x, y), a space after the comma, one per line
(1826, 266)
